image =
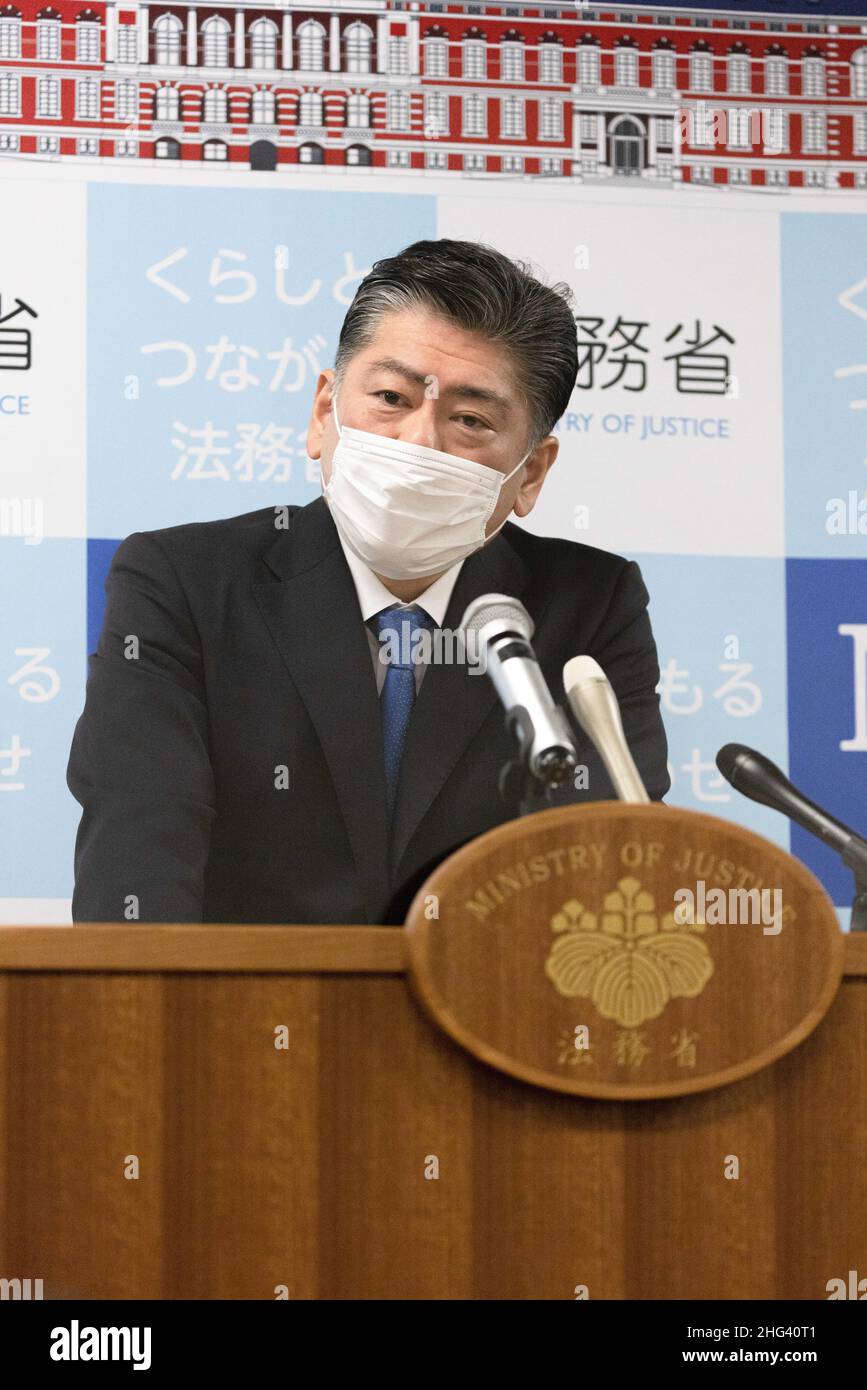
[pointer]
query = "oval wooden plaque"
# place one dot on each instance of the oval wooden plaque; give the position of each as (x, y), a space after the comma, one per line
(564, 949)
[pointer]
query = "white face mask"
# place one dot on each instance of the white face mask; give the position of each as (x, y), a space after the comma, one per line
(408, 511)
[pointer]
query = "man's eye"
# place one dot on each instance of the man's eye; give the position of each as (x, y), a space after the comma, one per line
(395, 394)
(473, 421)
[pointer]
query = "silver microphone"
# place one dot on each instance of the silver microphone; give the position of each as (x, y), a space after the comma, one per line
(502, 628)
(595, 706)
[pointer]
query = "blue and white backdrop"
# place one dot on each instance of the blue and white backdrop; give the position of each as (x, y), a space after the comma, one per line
(159, 343)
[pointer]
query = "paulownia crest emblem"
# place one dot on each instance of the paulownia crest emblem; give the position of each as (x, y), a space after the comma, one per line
(627, 960)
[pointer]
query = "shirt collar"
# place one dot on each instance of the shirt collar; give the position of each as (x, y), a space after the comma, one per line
(373, 596)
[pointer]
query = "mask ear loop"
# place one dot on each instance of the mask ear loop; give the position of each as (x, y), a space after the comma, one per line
(505, 480)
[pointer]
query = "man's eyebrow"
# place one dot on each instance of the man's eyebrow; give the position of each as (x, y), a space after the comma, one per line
(466, 390)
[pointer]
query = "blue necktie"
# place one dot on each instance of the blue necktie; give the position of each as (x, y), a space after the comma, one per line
(397, 697)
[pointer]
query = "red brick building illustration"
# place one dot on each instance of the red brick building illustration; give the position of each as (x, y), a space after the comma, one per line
(487, 89)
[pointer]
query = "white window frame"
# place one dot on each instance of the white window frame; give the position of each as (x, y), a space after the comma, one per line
(48, 96)
(167, 103)
(127, 43)
(126, 100)
(10, 94)
(307, 102)
(48, 40)
(664, 69)
(776, 75)
(474, 115)
(399, 113)
(263, 44)
(168, 33)
(215, 106)
(10, 36)
(474, 59)
(311, 46)
(814, 132)
(358, 111)
(512, 117)
(436, 114)
(626, 67)
(813, 77)
(436, 57)
(87, 99)
(511, 60)
(358, 47)
(263, 107)
(550, 62)
(701, 72)
(398, 55)
(550, 118)
(588, 65)
(215, 42)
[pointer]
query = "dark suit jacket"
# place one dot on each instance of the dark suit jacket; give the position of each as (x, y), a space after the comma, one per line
(252, 656)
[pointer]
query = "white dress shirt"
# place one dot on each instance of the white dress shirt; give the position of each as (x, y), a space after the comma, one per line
(373, 597)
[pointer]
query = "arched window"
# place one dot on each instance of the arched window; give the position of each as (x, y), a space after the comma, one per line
(215, 32)
(859, 73)
(358, 155)
(310, 109)
(216, 150)
(167, 32)
(359, 41)
(310, 154)
(264, 108)
(167, 148)
(167, 104)
(263, 43)
(358, 110)
(311, 46)
(215, 105)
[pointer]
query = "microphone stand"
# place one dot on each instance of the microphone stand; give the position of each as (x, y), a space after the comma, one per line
(855, 858)
(522, 791)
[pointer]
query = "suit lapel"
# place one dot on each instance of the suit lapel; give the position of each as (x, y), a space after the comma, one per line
(314, 618)
(452, 704)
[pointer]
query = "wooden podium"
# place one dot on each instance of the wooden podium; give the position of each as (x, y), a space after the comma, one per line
(556, 1081)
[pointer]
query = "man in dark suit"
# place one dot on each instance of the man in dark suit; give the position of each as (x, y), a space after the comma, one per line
(244, 754)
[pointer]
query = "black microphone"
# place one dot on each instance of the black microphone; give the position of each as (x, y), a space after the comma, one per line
(761, 780)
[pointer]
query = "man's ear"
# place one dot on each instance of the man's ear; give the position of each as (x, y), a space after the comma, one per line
(320, 412)
(535, 472)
